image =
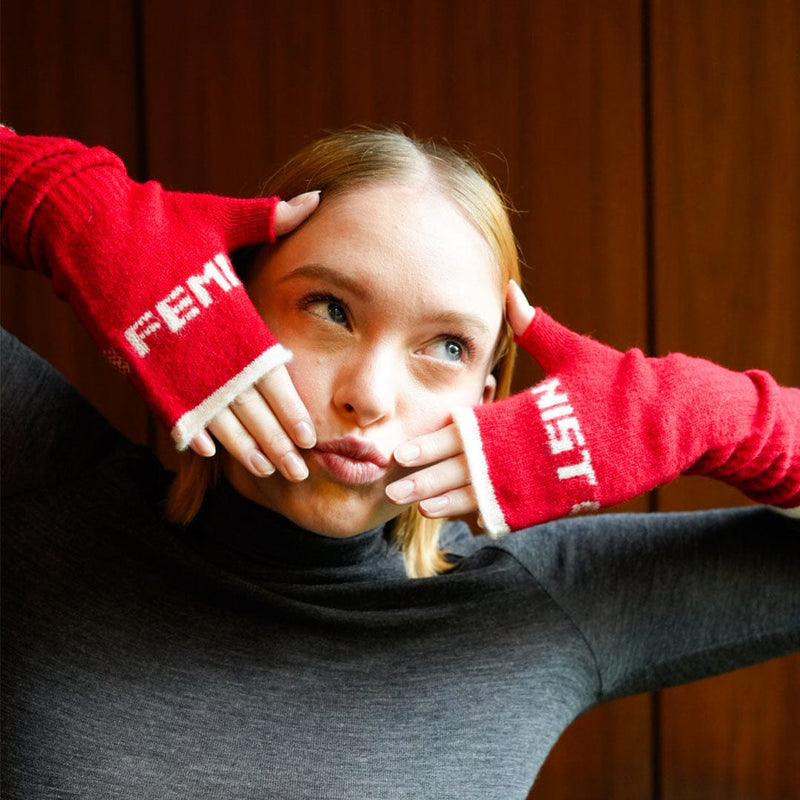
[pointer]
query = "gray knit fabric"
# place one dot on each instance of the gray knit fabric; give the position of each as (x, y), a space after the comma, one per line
(246, 658)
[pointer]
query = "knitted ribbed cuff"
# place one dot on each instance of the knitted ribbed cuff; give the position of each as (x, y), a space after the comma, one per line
(196, 419)
(494, 522)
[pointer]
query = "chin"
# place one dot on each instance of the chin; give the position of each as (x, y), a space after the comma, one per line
(337, 512)
(316, 504)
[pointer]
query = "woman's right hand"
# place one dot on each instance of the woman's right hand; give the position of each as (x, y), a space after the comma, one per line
(441, 482)
(265, 426)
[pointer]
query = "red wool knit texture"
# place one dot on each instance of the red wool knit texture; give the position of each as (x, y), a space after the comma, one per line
(605, 426)
(147, 271)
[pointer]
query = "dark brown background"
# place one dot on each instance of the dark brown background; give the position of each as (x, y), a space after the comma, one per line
(651, 147)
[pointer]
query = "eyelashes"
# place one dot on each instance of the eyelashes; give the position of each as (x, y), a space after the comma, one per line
(465, 344)
(327, 307)
(447, 347)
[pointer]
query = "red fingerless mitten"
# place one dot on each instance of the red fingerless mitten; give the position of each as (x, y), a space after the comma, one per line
(606, 426)
(146, 270)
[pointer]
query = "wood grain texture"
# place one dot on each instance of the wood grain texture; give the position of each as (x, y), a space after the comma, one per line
(68, 68)
(582, 134)
(726, 100)
(734, 737)
(579, 183)
(726, 105)
(604, 755)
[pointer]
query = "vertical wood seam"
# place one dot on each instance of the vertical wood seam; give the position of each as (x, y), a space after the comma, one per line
(648, 189)
(142, 150)
(140, 90)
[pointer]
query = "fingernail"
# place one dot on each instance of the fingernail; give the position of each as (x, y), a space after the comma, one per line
(304, 435)
(400, 491)
(406, 453)
(203, 445)
(302, 199)
(434, 504)
(295, 466)
(258, 461)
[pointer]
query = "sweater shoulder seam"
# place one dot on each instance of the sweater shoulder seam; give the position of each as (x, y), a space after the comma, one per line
(560, 606)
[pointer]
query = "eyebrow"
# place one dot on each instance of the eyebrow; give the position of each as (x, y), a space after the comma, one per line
(456, 319)
(459, 319)
(321, 272)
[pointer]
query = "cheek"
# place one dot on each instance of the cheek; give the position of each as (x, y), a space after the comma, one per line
(425, 422)
(312, 377)
(430, 411)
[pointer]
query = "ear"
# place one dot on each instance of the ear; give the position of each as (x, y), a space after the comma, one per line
(489, 389)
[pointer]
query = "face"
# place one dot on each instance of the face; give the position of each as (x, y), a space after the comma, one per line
(390, 302)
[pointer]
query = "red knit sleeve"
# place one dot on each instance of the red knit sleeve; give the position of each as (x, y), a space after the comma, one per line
(605, 426)
(146, 270)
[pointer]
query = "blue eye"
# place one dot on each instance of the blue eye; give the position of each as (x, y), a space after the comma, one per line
(448, 350)
(453, 350)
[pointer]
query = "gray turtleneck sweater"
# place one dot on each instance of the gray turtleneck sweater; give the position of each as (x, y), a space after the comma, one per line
(247, 658)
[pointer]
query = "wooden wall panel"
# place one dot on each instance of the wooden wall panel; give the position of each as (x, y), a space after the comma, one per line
(548, 94)
(68, 68)
(727, 176)
(734, 737)
(579, 183)
(582, 166)
(726, 104)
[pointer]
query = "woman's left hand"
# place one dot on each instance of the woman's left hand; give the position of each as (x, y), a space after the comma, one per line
(443, 486)
(443, 489)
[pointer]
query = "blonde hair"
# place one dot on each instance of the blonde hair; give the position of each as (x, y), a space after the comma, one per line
(341, 162)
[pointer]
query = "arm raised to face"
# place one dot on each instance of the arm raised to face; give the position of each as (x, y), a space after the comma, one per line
(148, 273)
(602, 428)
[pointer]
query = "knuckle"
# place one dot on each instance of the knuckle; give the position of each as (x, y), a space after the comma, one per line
(241, 444)
(275, 383)
(245, 400)
(277, 443)
(423, 484)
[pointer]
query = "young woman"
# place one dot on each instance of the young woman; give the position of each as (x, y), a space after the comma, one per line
(269, 640)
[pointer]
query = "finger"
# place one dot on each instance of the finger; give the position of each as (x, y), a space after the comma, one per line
(452, 473)
(203, 445)
(452, 504)
(431, 447)
(231, 434)
(278, 391)
(290, 213)
(519, 311)
(260, 423)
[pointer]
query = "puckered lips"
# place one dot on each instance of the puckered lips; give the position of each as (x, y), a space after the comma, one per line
(351, 460)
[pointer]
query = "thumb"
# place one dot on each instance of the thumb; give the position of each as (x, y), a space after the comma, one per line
(533, 329)
(289, 214)
(519, 311)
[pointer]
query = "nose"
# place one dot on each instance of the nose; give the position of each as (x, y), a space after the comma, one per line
(367, 386)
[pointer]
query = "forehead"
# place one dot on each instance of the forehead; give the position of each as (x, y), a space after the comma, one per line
(407, 242)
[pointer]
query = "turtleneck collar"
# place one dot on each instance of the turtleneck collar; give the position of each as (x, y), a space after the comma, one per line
(248, 536)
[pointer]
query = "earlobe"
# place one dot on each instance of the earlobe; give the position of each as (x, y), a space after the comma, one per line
(489, 389)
